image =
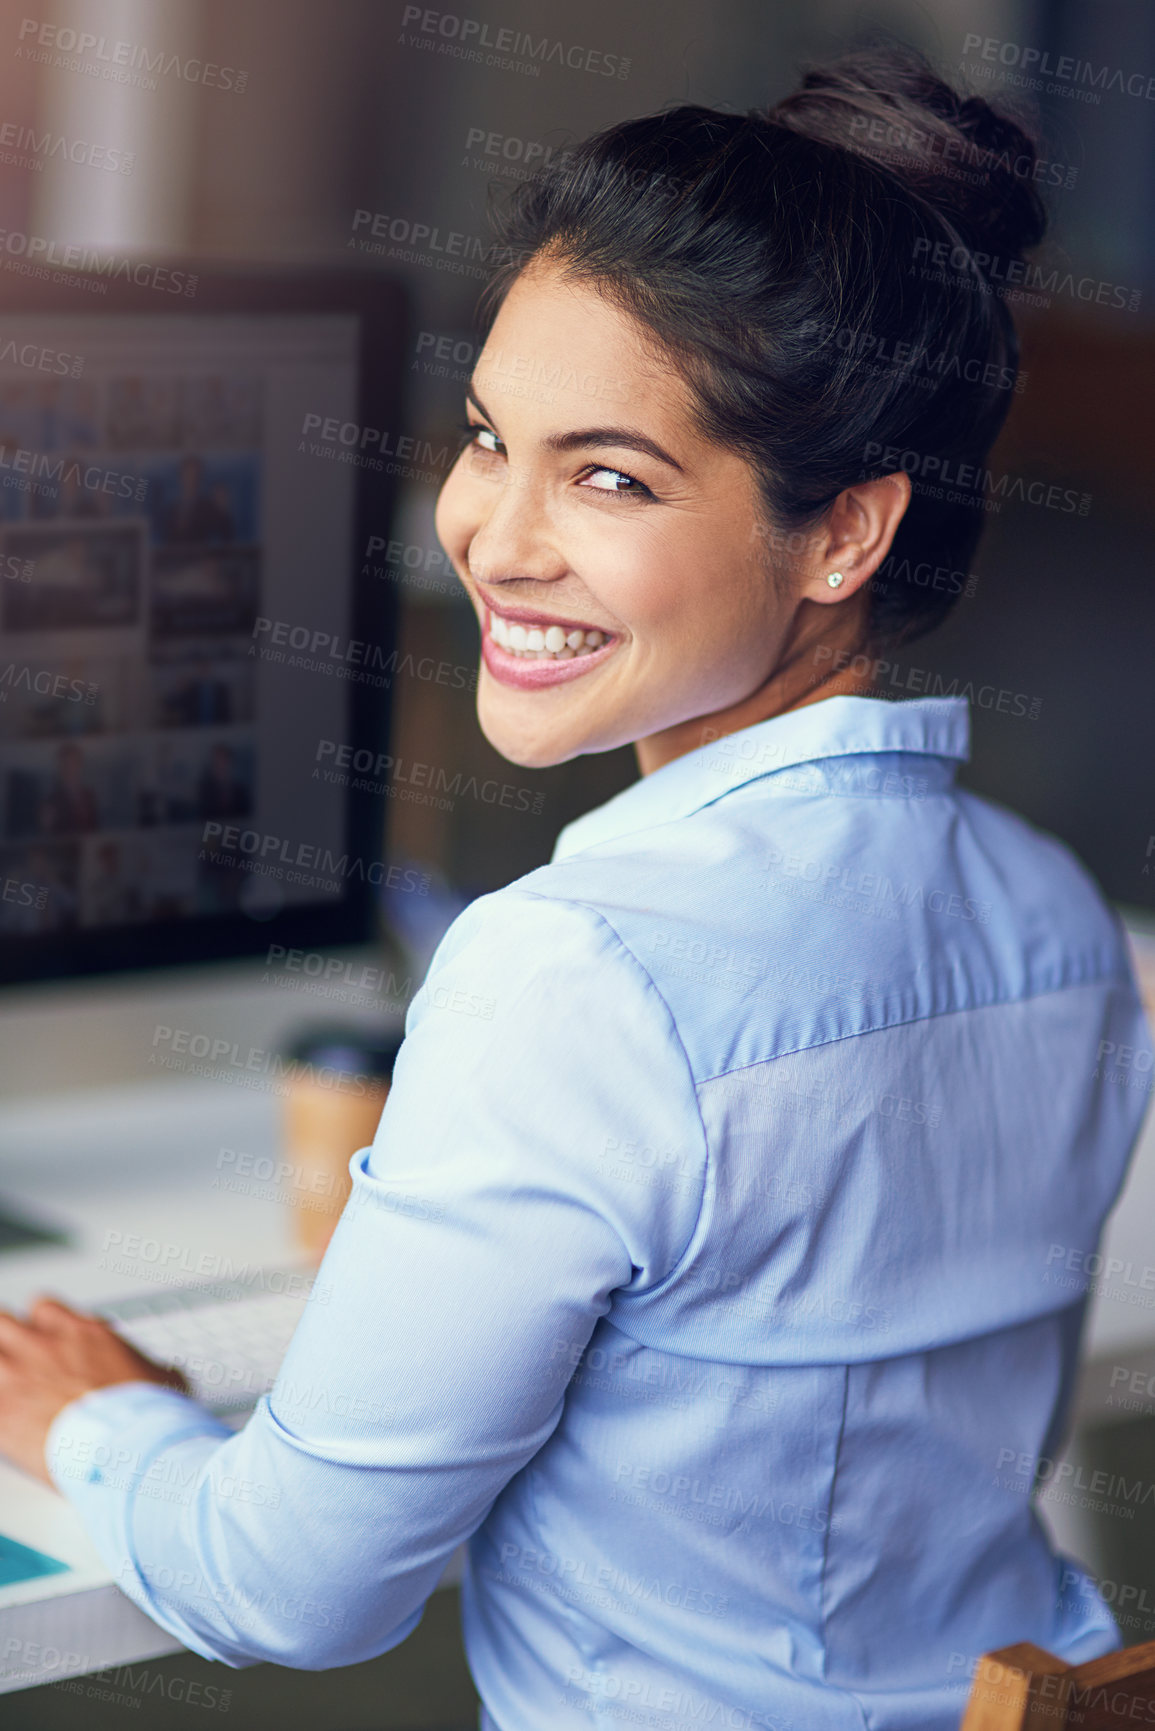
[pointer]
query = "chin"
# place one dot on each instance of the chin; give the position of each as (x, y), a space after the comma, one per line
(519, 747)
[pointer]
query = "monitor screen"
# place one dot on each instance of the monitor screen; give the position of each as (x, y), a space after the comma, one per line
(183, 624)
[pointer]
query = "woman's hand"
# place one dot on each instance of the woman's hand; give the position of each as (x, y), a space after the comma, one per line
(49, 1359)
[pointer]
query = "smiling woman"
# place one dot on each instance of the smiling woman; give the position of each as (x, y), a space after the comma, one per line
(723, 1290)
(759, 369)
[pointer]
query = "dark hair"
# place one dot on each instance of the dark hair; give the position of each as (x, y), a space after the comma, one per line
(827, 277)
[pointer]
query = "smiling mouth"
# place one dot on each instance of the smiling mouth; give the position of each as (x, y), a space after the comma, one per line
(530, 641)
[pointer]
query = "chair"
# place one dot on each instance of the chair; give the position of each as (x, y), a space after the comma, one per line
(1023, 1688)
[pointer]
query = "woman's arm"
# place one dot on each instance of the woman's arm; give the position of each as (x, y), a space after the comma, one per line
(503, 1203)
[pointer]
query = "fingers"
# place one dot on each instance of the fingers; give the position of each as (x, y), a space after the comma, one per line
(13, 1335)
(45, 1316)
(52, 1314)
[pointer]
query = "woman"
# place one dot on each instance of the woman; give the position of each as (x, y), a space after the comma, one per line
(702, 1270)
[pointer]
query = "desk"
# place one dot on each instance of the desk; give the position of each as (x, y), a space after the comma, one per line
(102, 1166)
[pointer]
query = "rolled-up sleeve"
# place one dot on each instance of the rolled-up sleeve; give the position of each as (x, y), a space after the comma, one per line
(488, 1228)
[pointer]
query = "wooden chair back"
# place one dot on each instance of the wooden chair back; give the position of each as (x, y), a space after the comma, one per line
(1023, 1688)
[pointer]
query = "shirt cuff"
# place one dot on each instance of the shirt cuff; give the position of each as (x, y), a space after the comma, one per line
(108, 1436)
(129, 1452)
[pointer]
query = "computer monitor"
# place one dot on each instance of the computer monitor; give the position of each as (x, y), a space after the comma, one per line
(189, 647)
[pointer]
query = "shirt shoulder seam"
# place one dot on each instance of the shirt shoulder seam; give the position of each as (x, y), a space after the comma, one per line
(627, 949)
(989, 1003)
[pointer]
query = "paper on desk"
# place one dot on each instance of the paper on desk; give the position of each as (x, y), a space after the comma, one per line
(35, 1515)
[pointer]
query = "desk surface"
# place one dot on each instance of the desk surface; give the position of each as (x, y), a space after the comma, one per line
(133, 1177)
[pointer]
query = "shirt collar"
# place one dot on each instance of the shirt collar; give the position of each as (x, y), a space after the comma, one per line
(834, 727)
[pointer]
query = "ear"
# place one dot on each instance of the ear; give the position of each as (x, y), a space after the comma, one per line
(860, 527)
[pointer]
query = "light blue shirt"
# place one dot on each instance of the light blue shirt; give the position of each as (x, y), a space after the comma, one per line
(710, 1271)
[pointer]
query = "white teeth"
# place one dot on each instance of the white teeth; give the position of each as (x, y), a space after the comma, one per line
(554, 643)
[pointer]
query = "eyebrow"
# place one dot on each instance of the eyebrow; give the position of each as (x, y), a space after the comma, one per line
(582, 437)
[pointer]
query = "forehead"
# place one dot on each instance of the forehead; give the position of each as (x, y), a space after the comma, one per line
(564, 345)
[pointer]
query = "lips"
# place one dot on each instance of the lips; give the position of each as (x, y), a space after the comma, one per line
(525, 616)
(531, 672)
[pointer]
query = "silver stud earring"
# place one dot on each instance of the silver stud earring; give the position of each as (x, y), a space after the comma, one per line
(835, 579)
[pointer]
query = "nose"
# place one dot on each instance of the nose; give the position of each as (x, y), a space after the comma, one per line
(512, 541)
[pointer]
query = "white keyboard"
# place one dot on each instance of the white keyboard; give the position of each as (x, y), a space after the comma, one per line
(228, 1344)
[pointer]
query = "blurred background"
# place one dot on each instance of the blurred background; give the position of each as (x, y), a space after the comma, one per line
(349, 108)
(321, 125)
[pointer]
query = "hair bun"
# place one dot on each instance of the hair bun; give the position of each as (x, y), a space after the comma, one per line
(973, 164)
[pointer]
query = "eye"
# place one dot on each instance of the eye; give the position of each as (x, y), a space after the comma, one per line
(636, 489)
(471, 433)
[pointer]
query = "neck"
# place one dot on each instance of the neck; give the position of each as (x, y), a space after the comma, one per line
(796, 681)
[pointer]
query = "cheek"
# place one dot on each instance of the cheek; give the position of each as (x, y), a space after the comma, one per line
(673, 598)
(452, 518)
